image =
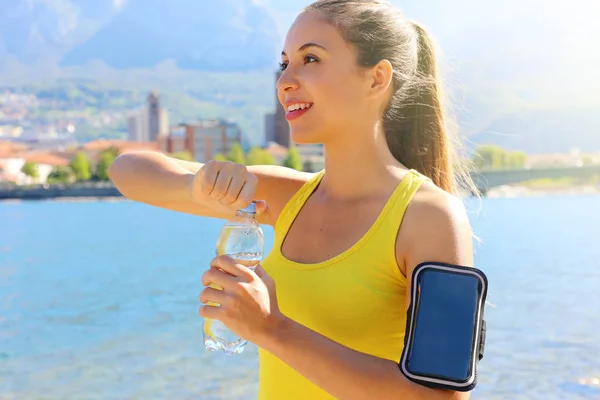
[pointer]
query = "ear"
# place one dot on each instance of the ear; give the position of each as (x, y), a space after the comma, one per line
(380, 78)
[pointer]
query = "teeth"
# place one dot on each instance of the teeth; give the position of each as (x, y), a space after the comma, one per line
(298, 106)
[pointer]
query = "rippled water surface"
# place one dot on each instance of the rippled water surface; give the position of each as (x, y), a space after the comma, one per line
(98, 300)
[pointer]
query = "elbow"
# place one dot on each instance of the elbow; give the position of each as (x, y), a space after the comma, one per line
(407, 389)
(116, 168)
(121, 173)
(444, 394)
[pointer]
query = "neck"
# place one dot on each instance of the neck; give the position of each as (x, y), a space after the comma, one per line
(359, 169)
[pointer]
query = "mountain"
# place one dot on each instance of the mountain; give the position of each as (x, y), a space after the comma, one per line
(546, 130)
(237, 35)
(520, 73)
(40, 30)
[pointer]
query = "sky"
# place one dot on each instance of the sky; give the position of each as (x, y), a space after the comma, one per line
(554, 44)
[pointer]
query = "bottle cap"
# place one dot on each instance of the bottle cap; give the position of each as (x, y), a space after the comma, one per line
(249, 209)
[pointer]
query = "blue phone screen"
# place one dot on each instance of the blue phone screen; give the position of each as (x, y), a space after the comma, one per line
(445, 321)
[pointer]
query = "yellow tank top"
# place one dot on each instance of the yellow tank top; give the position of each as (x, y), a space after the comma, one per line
(356, 298)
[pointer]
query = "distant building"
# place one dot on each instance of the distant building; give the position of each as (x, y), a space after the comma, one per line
(270, 128)
(10, 147)
(11, 130)
(149, 122)
(158, 118)
(92, 149)
(176, 141)
(312, 155)
(123, 146)
(573, 158)
(153, 105)
(202, 139)
(137, 126)
(43, 142)
(11, 167)
(278, 152)
(277, 128)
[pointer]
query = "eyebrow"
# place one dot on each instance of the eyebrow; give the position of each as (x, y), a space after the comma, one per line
(306, 46)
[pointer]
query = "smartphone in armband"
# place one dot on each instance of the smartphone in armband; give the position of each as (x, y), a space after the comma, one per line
(445, 329)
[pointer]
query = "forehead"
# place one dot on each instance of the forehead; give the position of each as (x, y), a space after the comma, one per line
(310, 27)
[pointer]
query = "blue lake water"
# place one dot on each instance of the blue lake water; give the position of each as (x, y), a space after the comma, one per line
(98, 300)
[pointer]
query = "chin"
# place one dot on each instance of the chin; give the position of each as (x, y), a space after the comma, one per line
(305, 136)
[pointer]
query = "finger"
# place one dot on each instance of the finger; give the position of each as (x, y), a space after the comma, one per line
(261, 207)
(214, 297)
(266, 279)
(211, 312)
(208, 177)
(238, 181)
(215, 276)
(223, 182)
(246, 194)
(230, 266)
(260, 272)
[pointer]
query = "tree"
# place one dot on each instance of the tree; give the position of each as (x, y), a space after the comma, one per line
(587, 161)
(114, 151)
(182, 155)
(30, 169)
(258, 156)
(106, 158)
(516, 159)
(80, 165)
(293, 159)
(495, 157)
(220, 157)
(488, 157)
(60, 175)
(236, 154)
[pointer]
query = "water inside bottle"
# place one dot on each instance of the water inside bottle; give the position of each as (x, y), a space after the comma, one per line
(248, 259)
(244, 243)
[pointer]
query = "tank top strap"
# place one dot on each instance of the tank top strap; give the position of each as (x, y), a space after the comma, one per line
(384, 240)
(292, 208)
(390, 217)
(409, 185)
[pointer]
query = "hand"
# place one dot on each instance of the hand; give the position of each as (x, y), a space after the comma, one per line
(248, 302)
(226, 187)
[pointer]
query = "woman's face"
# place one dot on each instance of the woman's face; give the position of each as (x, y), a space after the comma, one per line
(322, 88)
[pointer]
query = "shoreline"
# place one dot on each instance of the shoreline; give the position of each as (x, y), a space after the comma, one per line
(96, 190)
(520, 191)
(65, 199)
(102, 191)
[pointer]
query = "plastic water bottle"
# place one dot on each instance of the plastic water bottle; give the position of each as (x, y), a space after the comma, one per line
(242, 239)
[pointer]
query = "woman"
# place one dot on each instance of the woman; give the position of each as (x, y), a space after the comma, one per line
(327, 308)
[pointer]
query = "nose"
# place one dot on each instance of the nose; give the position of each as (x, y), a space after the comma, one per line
(286, 82)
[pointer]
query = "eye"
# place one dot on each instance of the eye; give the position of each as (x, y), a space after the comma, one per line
(283, 66)
(310, 59)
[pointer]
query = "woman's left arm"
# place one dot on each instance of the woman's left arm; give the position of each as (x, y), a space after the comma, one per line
(435, 229)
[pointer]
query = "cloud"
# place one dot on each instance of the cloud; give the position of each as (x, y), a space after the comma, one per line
(118, 4)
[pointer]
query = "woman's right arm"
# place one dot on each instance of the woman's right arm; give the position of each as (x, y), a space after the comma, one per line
(153, 178)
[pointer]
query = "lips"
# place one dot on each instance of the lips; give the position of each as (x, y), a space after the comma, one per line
(295, 110)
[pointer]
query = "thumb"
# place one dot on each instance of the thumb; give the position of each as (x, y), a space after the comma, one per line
(262, 274)
(258, 270)
(261, 207)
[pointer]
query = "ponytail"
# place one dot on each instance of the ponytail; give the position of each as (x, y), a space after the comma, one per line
(416, 126)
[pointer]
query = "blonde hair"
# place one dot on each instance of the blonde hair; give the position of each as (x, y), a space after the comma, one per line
(416, 125)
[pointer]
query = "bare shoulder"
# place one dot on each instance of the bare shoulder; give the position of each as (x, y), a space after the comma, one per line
(435, 228)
